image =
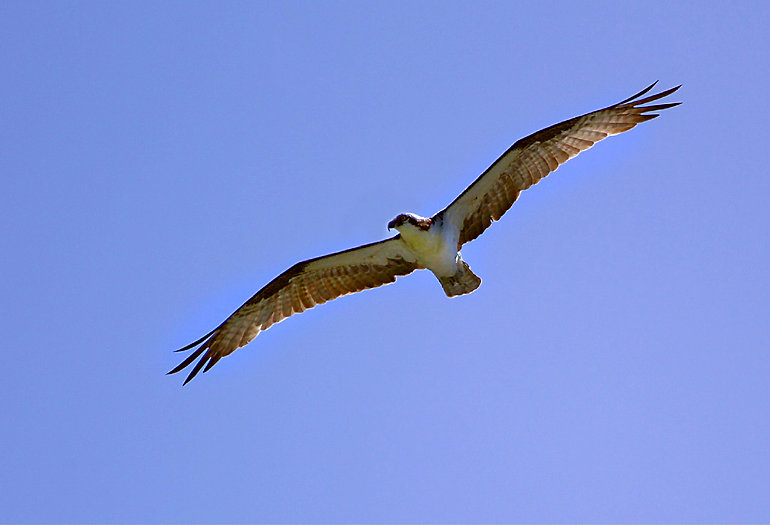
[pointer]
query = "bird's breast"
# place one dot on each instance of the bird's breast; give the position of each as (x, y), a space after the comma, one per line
(432, 248)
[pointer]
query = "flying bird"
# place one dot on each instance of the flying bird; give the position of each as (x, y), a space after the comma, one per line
(431, 243)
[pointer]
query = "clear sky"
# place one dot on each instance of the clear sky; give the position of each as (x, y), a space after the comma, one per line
(161, 161)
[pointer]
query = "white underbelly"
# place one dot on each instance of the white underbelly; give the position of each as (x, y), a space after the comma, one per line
(433, 250)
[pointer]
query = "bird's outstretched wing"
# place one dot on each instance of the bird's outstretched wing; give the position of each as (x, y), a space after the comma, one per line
(299, 288)
(533, 157)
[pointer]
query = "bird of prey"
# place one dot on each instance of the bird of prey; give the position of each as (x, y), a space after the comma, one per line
(431, 243)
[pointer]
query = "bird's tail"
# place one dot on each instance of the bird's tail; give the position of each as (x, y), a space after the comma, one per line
(462, 282)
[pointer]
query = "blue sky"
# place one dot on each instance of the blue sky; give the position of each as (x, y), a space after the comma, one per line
(162, 161)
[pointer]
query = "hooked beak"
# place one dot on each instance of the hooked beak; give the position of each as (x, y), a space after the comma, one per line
(392, 224)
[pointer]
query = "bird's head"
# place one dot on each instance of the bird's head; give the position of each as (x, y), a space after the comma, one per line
(410, 219)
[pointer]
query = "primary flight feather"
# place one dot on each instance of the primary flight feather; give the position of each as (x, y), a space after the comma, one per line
(433, 243)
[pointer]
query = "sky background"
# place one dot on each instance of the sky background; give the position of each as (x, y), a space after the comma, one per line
(160, 162)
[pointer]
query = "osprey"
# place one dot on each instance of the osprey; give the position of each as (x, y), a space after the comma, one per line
(431, 243)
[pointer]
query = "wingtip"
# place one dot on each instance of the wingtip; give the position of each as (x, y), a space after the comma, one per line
(199, 341)
(204, 364)
(194, 372)
(212, 362)
(638, 101)
(637, 95)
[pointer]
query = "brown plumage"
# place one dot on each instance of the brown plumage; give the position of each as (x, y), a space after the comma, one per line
(533, 157)
(303, 286)
(422, 242)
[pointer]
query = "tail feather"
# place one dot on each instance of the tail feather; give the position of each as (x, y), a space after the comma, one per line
(462, 282)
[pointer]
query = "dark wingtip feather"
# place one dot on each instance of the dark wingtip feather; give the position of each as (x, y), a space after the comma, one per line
(205, 343)
(199, 341)
(212, 362)
(659, 107)
(651, 98)
(197, 369)
(642, 92)
(190, 358)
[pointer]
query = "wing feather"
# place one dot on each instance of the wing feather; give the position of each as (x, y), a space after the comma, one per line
(301, 287)
(533, 157)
